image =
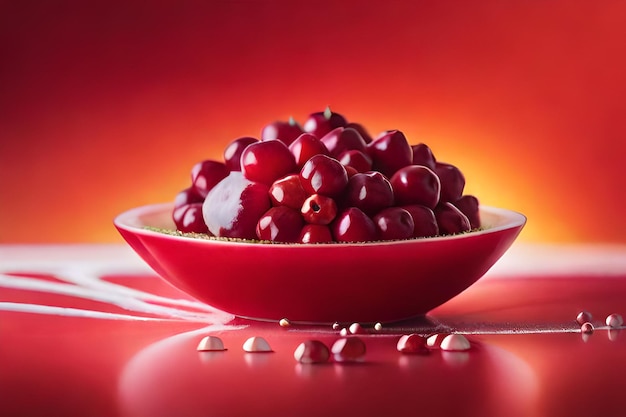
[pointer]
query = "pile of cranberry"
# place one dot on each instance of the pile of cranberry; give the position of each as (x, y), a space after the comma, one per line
(325, 181)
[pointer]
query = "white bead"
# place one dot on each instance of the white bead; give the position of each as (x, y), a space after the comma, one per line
(256, 344)
(284, 323)
(455, 342)
(210, 343)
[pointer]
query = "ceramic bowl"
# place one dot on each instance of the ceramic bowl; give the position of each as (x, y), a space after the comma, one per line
(320, 283)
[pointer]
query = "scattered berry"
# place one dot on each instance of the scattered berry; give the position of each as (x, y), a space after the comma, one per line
(348, 349)
(586, 328)
(614, 320)
(312, 351)
(412, 343)
(583, 317)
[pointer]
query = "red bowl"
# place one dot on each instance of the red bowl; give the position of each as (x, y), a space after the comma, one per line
(320, 283)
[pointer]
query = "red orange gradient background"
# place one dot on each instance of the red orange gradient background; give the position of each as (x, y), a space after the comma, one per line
(106, 105)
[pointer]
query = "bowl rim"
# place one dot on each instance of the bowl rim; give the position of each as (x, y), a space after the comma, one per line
(124, 221)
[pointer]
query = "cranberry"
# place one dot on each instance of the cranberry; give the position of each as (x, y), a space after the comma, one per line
(205, 174)
(412, 343)
(320, 123)
(358, 160)
(353, 225)
(324, 175)
(187, 196)
(348, 349)
(234, 206)
(370, 192)
(319, 209)
(305, 147)
(288, 191)
(452, 181)
(424, 221)
(280, 224)
(351, 171)
(390, 152)
(450, 219)
(423, 155)
(362, 131)
(267, 161)
(416, 184)
(286, 132)
(315, 233)
(312, 351)
(188, 218)
(232, 152)
(394, 223)
(468, 204)
(343, 139)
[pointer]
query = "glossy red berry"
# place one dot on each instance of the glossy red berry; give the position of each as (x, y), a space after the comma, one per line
(187, 196)
(390, 152)
(234, 206)
(350, 170)
(423, 155)
(452, 181)
(315, 233)
(394, 223)
(362, 131)
(369, 192)
(353, 225)
(232, 152)
(305, 147)
(286, 132)
(343, 139)
(468, 204)
(320, 123)
(324, 175)
(348, 349)
(450, 219)
(288, 191)
(424, 221)
(319, 209)
(188, 218)
(358, 160)
(280, 224)
(416, 184)
(267, 161)
(205, 174)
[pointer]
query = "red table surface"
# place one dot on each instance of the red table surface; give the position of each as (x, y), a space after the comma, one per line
(126, 346)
